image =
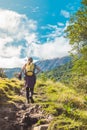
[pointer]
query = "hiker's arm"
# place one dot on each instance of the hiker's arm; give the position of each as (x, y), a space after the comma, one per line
(20, 73)
(23, 69)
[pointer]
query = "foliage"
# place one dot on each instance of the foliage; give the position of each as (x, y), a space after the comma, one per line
(66, 106)
(64, 103)
(64, 123)
(79, 83)
(43, 77)
(61, 73)
(76, 31)
(77, 34)
(2, 73)
(10, 91)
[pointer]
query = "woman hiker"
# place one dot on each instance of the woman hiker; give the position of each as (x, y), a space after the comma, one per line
(30, 78)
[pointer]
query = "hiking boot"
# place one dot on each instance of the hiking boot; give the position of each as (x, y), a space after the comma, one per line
(32, 100)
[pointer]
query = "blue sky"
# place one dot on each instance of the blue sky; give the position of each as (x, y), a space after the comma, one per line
(34, 28)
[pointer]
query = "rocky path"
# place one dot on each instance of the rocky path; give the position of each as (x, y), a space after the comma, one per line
(22, 116)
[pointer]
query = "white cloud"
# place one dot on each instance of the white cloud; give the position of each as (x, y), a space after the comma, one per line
(10, 51)
(57, 48)
(12, 62)
(31, 39)
(55, 31)
(65, 13)
(14, 28)
(15, 25)
(11, 21)
(60, 24)
(4, 40)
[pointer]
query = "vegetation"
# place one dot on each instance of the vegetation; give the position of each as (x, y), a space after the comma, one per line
(75, 72)
(2, 73)
(61, 73)
(77, 34)
(10, 91)
(64, 104)
(68, 105)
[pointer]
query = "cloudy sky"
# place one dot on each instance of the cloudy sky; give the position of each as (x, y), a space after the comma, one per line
(34, 28)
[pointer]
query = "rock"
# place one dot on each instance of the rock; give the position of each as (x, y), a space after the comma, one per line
(24, 107)
(29, 121)
(21, 116)
(41, 127)
(12, 115)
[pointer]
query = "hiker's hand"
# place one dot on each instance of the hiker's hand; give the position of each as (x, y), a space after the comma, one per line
(20, 76)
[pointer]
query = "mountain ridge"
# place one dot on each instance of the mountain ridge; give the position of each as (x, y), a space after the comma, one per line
(45, 65)
(50, 64)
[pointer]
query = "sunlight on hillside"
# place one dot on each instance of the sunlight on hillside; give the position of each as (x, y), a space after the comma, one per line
(66, 105)
(10, 90)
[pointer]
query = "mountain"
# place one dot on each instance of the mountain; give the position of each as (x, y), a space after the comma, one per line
(11, 71)
(45, 65)
(61, 73)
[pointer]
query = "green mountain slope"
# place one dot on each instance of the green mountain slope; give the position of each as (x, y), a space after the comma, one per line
(64, 104)
(61, 73)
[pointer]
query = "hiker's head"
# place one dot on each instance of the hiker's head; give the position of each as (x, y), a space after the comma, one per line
(30, 59)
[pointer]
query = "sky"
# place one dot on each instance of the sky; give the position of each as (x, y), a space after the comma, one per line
(34, 28)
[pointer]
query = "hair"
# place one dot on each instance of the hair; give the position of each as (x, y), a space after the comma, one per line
(30, 59)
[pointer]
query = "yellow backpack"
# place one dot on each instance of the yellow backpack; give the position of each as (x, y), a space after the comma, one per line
(29, 68)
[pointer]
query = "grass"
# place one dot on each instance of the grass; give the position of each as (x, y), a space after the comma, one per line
(10, 91)
(67, 106)
(64, 103)
(64, 123)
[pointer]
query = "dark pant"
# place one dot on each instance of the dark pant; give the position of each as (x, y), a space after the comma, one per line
(29, 92)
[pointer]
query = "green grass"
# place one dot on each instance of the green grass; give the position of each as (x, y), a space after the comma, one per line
(64, 123)
(64, 103)
(10, 91)
(67, 106)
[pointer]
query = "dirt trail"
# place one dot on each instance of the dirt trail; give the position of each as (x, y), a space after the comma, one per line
(21, 116)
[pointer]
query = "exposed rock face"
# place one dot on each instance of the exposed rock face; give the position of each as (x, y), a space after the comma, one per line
(21, 117)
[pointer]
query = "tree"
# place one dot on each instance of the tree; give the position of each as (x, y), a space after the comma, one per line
(77, 34)
(77, 29)
(2, 73)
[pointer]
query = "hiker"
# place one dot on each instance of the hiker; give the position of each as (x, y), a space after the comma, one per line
(29, 70)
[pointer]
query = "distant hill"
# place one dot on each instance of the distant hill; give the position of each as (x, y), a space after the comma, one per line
(60, 73)
(45, 65)
(11, 71)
